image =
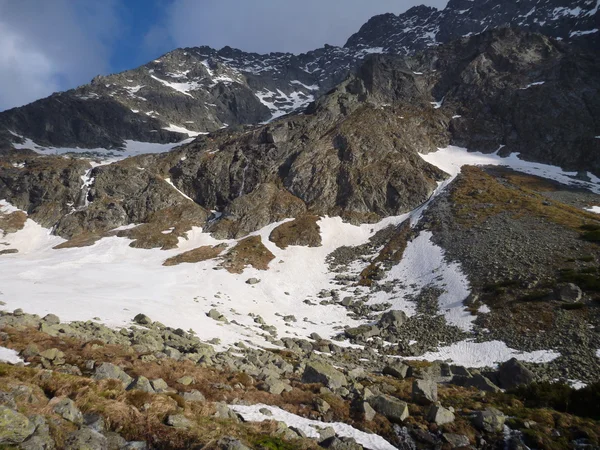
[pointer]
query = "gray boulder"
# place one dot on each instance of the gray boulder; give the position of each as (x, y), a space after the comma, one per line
(106, 371)
(477, 381)
(86, 439)
(14, 427)
(344, 443)
(394, 318)
(141, 383)
(179, 421)
(229, 443)
(397, 369)
(318, 372)
(159, 385)
(440, 415)
(67, 410)
(490, 420)
(392, 408)
(513, 373)
(568, 292)
(194, 396)
(424, 392)
(142, 319)
(456, 440)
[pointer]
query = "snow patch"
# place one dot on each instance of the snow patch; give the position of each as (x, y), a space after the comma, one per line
(594, 209)
(484, 354)
(309, 427)
(10, 356)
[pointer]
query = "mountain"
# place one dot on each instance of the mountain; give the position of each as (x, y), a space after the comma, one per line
(400, 250)
(196, 90)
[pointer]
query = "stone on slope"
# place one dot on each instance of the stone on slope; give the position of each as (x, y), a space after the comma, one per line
(67, 409)
(318, 372)
(106, 371)
(490, 420)
(14, 427)
(390, 407)
(86, 439)
(513, 373)
(396, 369)
(440, 415)
(141, 383)
(424, 392)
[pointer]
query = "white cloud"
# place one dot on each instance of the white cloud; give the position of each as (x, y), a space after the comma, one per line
(273, 25)
(52, 45)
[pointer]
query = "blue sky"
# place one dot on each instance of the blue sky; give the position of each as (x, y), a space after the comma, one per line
(54, 45)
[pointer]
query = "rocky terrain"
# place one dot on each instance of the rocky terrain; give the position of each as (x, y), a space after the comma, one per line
(388, 245)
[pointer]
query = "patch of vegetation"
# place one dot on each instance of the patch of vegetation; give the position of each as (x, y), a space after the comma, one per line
(536, 296)
(248, 252)
(500, 287)
(196, 255)
(303, 230)
(583, 402)
(274, 443)
(587, 278)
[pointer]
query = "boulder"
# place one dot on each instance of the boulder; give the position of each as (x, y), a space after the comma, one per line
(179, 421)
(424, 392)
(252, 281)
(490, 420)
(318, 372)
(159, 385)
(186, 380)
(394, 318)
(397, 369)
(142, 319)
(440, 415)
(229, 443)
(14, 427)
(392, 408)
(86, 439)
(194, 396)
(107, 371)
(51, 319)
(141, 383)
(568, 292)
(456, 440)
(368, 411)
(67, 410)
(477, 381)
(216, 315)
(344, 443)
(225, 412)
(513, 373)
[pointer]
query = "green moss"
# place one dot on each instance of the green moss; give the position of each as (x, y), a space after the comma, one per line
(273, 443)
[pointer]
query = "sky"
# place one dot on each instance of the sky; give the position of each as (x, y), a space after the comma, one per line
(55, 45)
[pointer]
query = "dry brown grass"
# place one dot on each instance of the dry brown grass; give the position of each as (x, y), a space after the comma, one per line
(478, 196)
(303, 231)
(248, 252)
(196, 255)
(13, 222)
(82, 240)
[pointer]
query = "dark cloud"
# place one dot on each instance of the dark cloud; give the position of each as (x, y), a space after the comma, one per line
(273, 25)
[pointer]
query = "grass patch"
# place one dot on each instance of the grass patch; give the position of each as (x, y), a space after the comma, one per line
(196, 255)
(248, 252)
(303, 231)
(587, 278)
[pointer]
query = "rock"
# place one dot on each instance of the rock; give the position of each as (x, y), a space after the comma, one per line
(440, 415)
(186, 380)
(216, 315)
(106, 371)
(229, 443)
(141, 383)
(274, 386)
(51, 319)
(94, 421)
(326, 433)
(30, 351)
(490, 420)
(142, 319)
(393, 318)
(568, 292)
(160, 385)
(477, 381)
(322, 406)
(224, 412)
(397, 370)
(136, 445)
(86, 439)
(179, 421)
(114, 440)
(456, 440)
(424, 392)
(336, 443)
(368, 411)
(363, 331)
(392, 408)
(252, 281)
(67, 410)
(513, 373)
(318, 372)
(14, 427)
(194, 396)
(54, 355)
(265, 412)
